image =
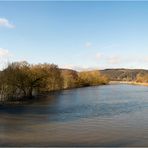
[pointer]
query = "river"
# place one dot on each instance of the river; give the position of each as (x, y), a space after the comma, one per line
(109, 115)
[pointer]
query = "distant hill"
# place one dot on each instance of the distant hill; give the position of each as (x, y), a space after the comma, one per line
(68, 70)
(118, 74)
(123, 74)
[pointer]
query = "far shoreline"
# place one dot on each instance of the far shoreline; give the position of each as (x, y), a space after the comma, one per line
(128, 82)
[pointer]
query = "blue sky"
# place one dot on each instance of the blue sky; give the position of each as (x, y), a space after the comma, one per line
(75, 35)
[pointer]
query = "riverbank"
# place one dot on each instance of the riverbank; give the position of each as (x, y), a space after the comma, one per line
(128, 82)
(26, 100)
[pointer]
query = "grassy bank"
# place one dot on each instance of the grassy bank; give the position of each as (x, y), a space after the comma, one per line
(128, 82)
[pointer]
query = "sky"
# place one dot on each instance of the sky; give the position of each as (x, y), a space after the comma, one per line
(77, 35)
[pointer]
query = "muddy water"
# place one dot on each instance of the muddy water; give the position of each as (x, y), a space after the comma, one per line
(111, 115)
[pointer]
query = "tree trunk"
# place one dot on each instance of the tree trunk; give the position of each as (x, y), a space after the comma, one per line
(30, 92)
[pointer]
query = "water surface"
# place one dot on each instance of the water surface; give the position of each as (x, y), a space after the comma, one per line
(111, 115)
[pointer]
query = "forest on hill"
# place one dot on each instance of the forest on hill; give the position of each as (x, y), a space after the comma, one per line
(121, 74)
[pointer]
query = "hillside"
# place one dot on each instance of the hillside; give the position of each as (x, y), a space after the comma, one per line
(123, 74)
(118, 74)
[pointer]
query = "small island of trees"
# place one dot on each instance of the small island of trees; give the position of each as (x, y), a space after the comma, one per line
(21, 80)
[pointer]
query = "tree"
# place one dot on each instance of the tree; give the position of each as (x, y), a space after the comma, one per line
(70, 78)
(88, 78)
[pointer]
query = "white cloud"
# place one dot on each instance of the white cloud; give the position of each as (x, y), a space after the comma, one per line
(4, 53)
(87, 68)
(98, 56)
(114, 60)
(5, 23)
(88, 44)
(79, 68)
(68, 66)
(145, 59)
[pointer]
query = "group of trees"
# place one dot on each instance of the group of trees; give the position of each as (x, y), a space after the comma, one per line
(21, 79)
(74, 79)
(92, 78)
(142, 78)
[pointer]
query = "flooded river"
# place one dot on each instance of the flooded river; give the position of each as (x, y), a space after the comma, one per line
(111, 115)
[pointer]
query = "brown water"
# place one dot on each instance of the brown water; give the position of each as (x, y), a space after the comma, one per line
(111, 115)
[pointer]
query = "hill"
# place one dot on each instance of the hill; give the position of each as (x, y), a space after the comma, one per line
(122, 74)
(118, 74)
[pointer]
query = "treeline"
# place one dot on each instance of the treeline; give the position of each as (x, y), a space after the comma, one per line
(23, 80)
(122, 74)
(74, 79)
